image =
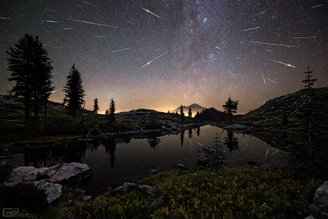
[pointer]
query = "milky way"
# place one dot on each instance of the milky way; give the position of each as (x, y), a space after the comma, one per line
(162, 53)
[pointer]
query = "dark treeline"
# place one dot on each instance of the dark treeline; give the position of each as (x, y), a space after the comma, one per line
(31, 71)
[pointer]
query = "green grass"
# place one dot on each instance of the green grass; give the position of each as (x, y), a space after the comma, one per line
(233, 193)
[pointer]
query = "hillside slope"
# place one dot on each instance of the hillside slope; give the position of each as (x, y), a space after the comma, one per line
(296, 108)
(12, 110)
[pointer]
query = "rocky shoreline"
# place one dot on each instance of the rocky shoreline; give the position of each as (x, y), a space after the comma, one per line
(47, 180)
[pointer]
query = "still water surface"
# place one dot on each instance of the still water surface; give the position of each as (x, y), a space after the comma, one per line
(116, 161)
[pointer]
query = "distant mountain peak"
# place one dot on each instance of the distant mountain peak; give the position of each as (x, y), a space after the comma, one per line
(196, 105)
(194, 108)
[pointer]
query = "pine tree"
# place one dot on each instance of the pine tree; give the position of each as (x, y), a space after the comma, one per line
(95, 106)
(74, 91)
(45, 87)
(112, 110)
(181, 111)
(197, 116)
(189, 112)
(31, 69)
(308, 81)
(230, 106)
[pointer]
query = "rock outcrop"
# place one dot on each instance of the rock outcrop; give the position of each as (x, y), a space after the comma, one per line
(320, 201)
(67, 171)
(25, 174)
(46, 179)
(52, 190)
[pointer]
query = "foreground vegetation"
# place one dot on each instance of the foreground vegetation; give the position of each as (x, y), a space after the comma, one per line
(248, 192)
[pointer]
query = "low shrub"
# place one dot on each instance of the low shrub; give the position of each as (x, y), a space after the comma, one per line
(233, 193)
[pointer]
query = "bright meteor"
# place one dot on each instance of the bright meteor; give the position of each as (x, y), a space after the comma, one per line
(285, 64)
(148, 63)
(151, 12)
(249, 29)
(272, 44)
(92, 23)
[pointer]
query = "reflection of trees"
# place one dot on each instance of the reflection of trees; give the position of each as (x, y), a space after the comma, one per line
(231, 142)
(35, 156)
(219, 155)
(74, 151)
(153, 141)
(198, 130)
(93, 145)
(110, 147)
(125, 139)
(182, 137)
(311, 143)
(67, 152)
(190, 133)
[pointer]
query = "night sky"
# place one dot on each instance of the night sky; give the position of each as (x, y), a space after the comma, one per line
(163, 53)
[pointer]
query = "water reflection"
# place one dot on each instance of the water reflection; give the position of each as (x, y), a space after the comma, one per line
(182, 135)
(68, 152)
(153, 141)
(231, 142)
(310, 145)
(190, 133)
(198, 131)
(110, 147)
(114, 161)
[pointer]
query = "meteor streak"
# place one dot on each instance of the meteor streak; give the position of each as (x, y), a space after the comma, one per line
(151, 13)
(266, 154)
(272, 44)
(275, 152)
(102, 36)
(317, 6)
(283, 63)
(55, 91)
(93, 23)
(249, 29)
(305, 37)
(272, 80)
(233, 74)
(204, 59)
(120, 50)
(51, 21)
(148, 63)
(264, 81)
(262, 12)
